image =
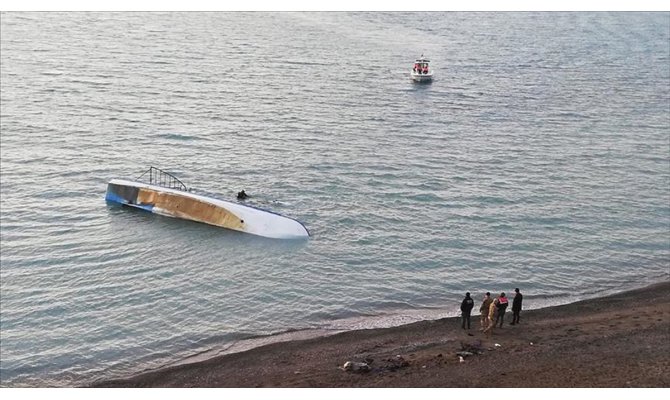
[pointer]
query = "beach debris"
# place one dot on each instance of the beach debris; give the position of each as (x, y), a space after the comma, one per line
(393, 364)
(497, 345)
(531, 343)
(469, 349)
(353, 366)
(475, 347)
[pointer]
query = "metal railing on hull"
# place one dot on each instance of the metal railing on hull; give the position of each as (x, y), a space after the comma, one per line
(161, 178)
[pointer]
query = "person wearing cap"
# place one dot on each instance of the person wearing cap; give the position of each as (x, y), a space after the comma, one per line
(484, 311)
(516, 306)
(466, 308)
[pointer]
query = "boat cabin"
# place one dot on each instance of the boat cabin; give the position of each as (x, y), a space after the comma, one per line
(421, 66)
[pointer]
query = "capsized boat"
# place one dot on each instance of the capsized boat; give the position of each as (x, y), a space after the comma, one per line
(421, 71)
(165, 194)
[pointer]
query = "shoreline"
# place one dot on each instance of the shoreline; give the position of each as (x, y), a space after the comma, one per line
(358, 322)
(619, 340)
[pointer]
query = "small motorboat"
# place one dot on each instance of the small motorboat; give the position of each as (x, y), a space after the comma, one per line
(163, 193)
(421, 71)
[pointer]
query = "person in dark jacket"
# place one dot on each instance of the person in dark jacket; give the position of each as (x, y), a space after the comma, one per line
(466, 309)
(516, 306)
(502, 306)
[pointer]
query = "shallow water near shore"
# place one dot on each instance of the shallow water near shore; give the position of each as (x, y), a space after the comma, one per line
(538, 158)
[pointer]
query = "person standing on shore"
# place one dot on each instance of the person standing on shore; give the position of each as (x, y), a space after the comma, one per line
(484, 311)
(516, 306)
(502, 306)
(466, 308)
(493, 308)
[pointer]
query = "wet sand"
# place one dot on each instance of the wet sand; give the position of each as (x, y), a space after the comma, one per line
(621, 340)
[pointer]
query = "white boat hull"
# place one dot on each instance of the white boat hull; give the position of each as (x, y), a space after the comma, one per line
(186, 205)
(421, 77)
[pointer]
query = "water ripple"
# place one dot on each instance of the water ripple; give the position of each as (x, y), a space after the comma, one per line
(536, 159)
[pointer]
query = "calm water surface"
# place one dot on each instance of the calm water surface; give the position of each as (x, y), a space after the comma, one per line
(538, 158)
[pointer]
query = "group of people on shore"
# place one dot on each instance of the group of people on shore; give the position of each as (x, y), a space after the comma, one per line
(492, 311)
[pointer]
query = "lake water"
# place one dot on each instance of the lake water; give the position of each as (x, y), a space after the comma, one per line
(538, 158)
